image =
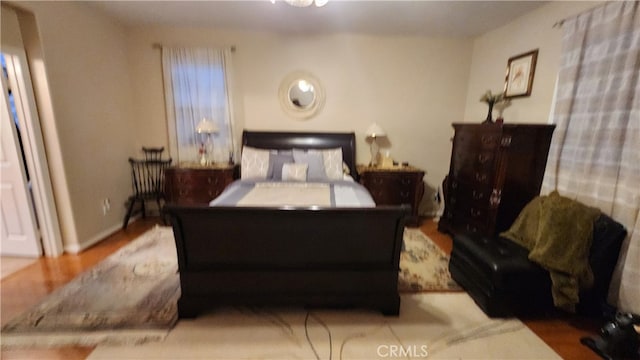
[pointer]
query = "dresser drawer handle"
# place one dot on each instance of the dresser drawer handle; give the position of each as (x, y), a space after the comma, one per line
(471, 228)
(404, 194)
(496, 197)
(488, 139)
(405, 181)
(477, 195)
(481, 177)
(211, 180)
(483, 158)
(378, 181)
(453, 200)
(454, 184)
(475, 212)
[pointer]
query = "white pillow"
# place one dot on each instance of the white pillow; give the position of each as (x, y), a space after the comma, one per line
(314, 161)
(294, 172)
(255, 163)
(332, 159)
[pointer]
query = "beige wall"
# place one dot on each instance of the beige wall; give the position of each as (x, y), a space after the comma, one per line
(413, 87)
(87, 74)
(492, 50)
(10, 33)
(107, 98)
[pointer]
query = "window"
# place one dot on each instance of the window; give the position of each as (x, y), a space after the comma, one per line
(195, 89)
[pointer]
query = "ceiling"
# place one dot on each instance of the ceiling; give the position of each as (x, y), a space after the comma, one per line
(420, 18)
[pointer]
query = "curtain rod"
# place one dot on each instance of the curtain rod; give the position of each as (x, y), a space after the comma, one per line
(559, 23)
(159, 46)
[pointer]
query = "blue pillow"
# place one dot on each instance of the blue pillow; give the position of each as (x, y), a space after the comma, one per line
(315, 162)
(276, 160)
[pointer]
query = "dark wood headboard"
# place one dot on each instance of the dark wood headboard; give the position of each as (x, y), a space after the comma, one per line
(305, 140)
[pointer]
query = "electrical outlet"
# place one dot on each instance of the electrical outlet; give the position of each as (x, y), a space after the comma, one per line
(106, 206)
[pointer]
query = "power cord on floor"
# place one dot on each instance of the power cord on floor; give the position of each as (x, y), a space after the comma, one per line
(306, 333)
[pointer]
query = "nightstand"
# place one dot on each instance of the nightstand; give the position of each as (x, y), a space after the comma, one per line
(191, 184)
(395, 186)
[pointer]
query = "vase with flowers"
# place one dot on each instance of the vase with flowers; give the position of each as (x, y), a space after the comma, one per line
(491, 100)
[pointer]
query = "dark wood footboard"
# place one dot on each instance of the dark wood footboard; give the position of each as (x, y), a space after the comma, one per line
(337, 257)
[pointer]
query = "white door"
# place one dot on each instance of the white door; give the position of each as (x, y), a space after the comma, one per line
(18, 233)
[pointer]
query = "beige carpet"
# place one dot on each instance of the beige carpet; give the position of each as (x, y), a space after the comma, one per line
(430, 325)
(130, 297)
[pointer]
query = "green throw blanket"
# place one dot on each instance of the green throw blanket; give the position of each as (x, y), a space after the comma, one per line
(558, 232)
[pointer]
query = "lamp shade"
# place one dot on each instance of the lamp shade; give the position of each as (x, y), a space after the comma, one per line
(374, 130)
(206, 126)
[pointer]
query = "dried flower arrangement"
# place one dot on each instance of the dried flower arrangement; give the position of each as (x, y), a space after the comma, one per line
(491, 99)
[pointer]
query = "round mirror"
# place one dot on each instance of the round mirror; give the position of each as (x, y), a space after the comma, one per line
(301, 95)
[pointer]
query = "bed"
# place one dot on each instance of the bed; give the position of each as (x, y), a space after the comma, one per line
(313, 256)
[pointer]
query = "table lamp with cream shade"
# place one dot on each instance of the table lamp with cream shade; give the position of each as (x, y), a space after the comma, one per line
(207, 128)
(374, 131)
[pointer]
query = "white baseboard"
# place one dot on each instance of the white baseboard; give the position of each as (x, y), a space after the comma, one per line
(78, 248)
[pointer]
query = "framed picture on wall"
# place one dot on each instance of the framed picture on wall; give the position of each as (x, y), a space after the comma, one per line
(520, 71)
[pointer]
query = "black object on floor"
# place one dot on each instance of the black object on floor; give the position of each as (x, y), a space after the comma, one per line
(618, 339)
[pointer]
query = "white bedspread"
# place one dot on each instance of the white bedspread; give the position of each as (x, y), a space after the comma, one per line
(296, 194)
(287, 194)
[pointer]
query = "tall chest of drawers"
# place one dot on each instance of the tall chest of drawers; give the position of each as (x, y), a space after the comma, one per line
(495, 170)
(197, 185)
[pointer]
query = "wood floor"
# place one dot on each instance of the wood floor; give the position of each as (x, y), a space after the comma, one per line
(27, 287)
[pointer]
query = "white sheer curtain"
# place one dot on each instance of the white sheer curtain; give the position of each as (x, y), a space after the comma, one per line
(196, 87)
(595, 151)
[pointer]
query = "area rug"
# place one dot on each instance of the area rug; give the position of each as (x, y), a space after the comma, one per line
(423, 265)
(130, 297)
(430, 325)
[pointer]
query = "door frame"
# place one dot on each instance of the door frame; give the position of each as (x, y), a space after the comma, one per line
(34, 150)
